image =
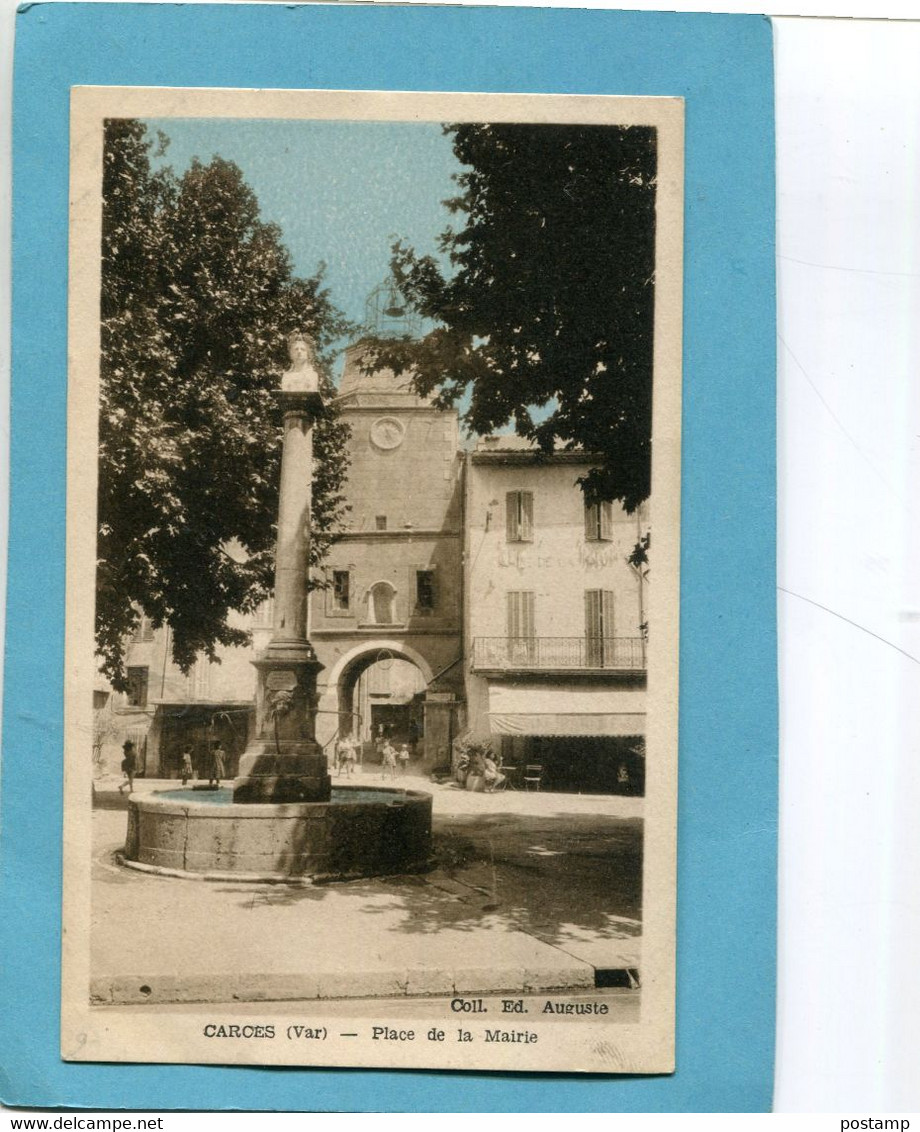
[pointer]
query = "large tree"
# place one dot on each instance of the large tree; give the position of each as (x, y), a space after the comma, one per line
(544, 311)
(198, 295)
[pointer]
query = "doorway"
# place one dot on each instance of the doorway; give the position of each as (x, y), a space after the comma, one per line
(381, 697)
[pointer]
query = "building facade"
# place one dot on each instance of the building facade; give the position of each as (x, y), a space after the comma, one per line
(387, 624)
(164, 709)
(469, 594)
(555, 621)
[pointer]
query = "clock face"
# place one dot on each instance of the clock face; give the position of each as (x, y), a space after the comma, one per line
(387, 432)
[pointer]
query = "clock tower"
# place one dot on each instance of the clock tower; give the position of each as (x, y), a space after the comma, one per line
(393, 581)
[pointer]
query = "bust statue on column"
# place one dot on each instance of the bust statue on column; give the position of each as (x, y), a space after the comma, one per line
(283, 762)
(302, 376)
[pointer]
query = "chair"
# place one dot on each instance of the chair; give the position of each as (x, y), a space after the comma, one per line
(533, 776)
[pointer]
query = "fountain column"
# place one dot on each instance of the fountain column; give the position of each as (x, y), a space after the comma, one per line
(283, 762)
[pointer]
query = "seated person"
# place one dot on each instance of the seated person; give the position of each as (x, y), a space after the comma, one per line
(493, 775)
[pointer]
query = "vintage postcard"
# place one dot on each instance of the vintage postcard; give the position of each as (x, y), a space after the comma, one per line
(374, 403)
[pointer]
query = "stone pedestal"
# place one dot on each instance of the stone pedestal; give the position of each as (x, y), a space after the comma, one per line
(284, 763)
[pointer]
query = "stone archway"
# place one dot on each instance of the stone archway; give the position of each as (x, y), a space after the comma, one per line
(338, 712)
(381, 697)
(398, 648)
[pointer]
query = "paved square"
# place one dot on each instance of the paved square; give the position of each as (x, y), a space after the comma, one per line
(529, 892)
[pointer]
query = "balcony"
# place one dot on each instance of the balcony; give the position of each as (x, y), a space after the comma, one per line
(558, 654)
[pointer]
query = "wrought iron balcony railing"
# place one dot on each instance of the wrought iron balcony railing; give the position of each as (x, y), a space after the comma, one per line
(559, 653)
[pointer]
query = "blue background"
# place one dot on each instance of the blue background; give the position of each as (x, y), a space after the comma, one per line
(722, 65)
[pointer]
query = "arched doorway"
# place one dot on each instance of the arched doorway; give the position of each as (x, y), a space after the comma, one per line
(381, 696)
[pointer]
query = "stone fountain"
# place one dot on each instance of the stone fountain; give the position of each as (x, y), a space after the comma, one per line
(282, 820)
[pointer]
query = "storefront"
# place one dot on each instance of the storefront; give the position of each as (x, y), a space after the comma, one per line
(199, 725)
(586, 740)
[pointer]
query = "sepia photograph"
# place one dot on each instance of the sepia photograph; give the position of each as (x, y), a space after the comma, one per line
(371, 656)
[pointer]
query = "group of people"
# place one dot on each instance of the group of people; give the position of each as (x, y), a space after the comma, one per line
(479, 768)
(394, 760)
(217, 764)
(487, 767)
(346, 755)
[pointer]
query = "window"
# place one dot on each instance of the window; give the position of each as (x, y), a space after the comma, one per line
(381, 521)
(198, 680)
(144, 630)
(202, 678)
(380, 603)
(519, 512)
(599, 522)
(137, 687)
(599, 628)
(424, 589)
(341, 591)
(519, 605)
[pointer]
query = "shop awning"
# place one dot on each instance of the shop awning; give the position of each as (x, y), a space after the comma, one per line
(541, 710)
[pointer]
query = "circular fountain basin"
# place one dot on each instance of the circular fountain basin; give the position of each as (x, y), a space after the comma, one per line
(359, 832)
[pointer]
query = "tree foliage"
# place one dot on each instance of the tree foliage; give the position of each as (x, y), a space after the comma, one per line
(197, 297)
(545, 317)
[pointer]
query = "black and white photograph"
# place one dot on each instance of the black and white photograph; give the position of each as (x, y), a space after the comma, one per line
(372, 556)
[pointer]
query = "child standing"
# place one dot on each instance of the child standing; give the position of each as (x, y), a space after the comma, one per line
(403, 757)
(128, 766)
(188, 771)
(218, 770)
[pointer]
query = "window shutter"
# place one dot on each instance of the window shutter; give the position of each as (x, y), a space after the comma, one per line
(528, 625)
(202, 678)
(521, 614)
(137, 687)
(589, 522)
(606, 524)
(511, 513)
(607, 613)
(593, 629)
(514, 614)
(526, 533)
(610, 645)
(519, 516)
(144, 630)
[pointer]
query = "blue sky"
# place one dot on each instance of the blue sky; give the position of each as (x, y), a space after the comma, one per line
(341, 192)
